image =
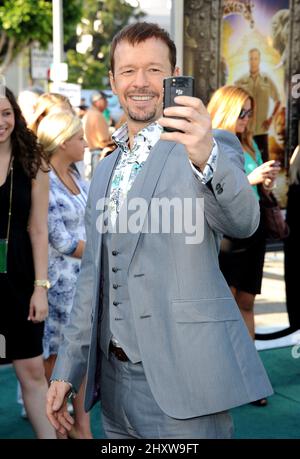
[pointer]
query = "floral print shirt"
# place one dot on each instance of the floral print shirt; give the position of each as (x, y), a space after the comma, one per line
(131, 162)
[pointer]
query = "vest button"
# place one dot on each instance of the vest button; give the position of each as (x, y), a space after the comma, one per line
(115, 303)
(115, 286)
(114, 269)
(115, 252)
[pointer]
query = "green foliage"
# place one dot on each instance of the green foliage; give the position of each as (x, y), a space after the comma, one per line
(72, 13)
(85, 70)
(102, 19)
(25, 21)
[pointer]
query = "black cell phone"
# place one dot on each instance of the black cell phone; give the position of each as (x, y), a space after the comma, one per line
(177, 86)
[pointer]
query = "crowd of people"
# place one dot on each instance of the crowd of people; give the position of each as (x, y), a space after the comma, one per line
(148, 321)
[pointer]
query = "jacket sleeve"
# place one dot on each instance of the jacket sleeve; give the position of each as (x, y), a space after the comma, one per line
(230, 204)
(71, 363)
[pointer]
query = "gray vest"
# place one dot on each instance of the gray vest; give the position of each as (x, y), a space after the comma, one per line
(116, 318)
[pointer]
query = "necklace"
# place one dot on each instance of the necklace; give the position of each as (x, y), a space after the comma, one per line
(4, 242)
(65, 184)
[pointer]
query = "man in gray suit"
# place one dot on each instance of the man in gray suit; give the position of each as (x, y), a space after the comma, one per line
(153, 323)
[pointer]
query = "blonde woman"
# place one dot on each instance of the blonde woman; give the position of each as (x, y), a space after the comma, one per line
(241, 261)
(45, 104)
(61, 135)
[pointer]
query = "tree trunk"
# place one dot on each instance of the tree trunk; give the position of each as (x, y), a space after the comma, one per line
(9, 56)
(2, 40)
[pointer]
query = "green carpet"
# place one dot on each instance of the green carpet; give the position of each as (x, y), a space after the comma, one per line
(280, 419)
(12, 425)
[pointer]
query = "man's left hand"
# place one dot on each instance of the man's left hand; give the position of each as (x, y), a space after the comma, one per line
(196, 126)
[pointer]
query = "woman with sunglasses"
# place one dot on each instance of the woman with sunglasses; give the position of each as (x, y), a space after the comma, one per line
(242, 260)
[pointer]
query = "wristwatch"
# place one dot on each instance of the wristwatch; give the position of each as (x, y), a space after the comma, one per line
(42, 283)
(71, 394)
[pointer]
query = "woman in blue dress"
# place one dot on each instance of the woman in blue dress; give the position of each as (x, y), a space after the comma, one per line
(61, 136)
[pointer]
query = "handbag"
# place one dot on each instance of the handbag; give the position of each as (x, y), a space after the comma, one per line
(3, 255)
(274, 224)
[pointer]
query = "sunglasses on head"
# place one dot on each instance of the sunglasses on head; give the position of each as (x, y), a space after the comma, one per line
(245, 113)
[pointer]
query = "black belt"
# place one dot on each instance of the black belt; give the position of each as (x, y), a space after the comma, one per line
(118, 352)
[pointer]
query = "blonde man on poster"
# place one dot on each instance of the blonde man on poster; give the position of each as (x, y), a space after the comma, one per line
(261, 87)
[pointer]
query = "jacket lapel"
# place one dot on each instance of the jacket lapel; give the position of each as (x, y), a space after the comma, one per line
(143, 188)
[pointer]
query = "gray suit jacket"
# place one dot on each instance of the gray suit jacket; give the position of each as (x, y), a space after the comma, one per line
(197, 354)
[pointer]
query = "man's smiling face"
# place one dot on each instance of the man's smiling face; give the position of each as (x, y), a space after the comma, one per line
(139, 71)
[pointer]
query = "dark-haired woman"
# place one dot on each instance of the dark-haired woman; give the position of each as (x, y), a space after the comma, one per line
(23, 257)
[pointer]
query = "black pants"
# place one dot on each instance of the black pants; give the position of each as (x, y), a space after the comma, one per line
(262, 143)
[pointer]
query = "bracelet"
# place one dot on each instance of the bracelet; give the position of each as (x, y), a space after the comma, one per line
(42, 283)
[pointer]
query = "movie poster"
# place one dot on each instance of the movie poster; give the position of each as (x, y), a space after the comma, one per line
(256, 33)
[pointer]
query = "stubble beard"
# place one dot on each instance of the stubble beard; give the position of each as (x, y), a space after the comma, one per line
(142, 117)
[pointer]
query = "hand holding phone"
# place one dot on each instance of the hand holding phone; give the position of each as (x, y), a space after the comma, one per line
(177, 86)
(276, 164)
(187, 122)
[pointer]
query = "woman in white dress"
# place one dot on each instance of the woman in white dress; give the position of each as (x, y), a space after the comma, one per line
(61, 135)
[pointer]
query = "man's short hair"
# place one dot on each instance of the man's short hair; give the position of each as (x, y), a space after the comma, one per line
(139, 32)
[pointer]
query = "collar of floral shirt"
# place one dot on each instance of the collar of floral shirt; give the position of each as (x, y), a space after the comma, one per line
(150, 134)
